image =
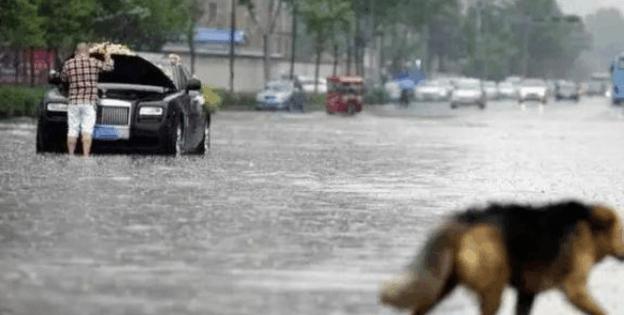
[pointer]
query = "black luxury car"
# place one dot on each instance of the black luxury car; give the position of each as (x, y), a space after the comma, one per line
(142, 107)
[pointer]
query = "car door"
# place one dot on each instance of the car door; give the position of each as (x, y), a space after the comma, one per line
(194, 105)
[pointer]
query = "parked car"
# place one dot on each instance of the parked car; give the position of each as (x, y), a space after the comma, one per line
(143, 106)
(280, 95)
(490, 89)
(431, 91)
(533, 90)
(597, 88)
(566, 90)
(468, 92)
(507, 90)
(393, 90)
(308, 85)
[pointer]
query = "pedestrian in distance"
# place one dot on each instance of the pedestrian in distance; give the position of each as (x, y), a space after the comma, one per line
(81, 73)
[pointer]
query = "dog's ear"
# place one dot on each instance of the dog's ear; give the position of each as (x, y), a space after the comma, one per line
(601, 218)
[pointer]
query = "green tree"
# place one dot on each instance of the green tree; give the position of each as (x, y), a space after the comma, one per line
(142, 24)
(66, 22)
(324, 19)
(194, 12)
(21, 25)
(266, 25)
(20, 28)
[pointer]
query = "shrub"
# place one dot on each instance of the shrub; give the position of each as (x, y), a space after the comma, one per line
(241, 100)
(19, 100)
(376, 96)
(315, 102)
(212, 98)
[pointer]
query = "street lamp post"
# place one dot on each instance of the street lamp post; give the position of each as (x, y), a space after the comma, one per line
(232, 42)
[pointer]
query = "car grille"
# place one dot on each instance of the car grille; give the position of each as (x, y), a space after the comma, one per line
(116, 116)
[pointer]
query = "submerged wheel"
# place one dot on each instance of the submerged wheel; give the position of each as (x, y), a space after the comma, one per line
(351, 109)
(204, 145)
(174, 144)
(47, 142)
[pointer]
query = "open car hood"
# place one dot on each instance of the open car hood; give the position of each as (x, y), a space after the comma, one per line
(136, 70)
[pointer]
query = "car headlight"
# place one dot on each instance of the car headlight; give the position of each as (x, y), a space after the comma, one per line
(150, 111)
(57, 107)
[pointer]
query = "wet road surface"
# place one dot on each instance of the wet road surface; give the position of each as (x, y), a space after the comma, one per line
(288, 213)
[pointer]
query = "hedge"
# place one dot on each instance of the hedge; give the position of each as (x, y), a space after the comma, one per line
(19, 100)
(22, 101)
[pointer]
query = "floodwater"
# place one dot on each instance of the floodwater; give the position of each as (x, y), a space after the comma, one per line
(288, 213)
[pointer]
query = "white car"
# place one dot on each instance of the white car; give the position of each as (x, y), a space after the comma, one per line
(533, 90)
(308, 85)
(280, 94)
(393, 90)
(431, 91)
(507, 90)
(468, 92)
(491, 90)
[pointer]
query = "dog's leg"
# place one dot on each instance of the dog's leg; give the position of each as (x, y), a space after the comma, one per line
(491, 299)
(577, 294)
(524, 303)
(575, 284)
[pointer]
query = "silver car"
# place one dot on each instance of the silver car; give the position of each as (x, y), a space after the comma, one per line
(533, 90)
(507, 90)
(491, 90)
(468, 92)
(431, 91)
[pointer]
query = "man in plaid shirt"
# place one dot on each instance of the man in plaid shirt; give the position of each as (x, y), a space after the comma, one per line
(82, 72)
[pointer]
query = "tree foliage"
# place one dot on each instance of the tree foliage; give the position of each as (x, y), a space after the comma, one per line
(21, 24)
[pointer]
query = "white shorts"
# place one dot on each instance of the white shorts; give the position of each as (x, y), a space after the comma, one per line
(80, 119)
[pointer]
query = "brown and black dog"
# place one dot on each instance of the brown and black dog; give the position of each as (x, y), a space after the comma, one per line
(532, 249)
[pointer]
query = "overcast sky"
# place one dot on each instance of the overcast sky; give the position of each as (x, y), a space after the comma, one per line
(584, 7)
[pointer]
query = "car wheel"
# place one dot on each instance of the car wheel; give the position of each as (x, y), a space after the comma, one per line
(351, 109)
(291, 105)
(482, 106)
(47, 144)
(204, 145)
(175, 138)
(453, 106)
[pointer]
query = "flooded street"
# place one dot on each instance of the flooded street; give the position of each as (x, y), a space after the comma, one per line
(288, 213)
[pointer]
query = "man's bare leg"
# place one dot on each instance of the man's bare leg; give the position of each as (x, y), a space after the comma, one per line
(86, 144)
(71, 144)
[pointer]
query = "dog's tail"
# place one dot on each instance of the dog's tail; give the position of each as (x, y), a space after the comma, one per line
(423, 283)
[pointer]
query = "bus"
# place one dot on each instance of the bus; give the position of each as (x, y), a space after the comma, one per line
(617, 80)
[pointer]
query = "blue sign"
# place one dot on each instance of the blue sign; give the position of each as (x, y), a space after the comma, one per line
(105, 133)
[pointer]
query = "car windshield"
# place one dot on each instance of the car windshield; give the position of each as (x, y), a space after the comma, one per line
(567, 85)
(533, 83)
(278, 86)
(430, 84)
(469, 84)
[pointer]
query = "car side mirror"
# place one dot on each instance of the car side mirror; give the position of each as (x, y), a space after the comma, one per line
(194, 85)
(54, 78)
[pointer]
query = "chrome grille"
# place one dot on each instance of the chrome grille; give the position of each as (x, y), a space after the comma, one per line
(110, 115)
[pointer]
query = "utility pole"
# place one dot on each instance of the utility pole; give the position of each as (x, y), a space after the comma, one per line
(293, 44)
(232, 43)
(526, 24)
(480, 49)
